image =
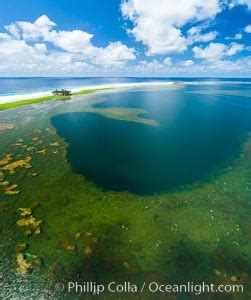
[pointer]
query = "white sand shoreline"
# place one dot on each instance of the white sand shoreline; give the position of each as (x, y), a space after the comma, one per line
(20, 97)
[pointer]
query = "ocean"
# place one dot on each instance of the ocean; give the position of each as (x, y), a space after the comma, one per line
(25, 85)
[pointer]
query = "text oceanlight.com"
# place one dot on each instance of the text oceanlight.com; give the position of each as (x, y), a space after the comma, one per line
(152, 287)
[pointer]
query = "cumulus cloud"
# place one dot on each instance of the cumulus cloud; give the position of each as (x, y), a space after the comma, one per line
(216, 51)
(238, 36)
(158, 26)
(248, 29)
(40, 48)
(195, 35)
(26, 44)
(246, 3)
(234, 48)
(162, 26)
(188, 63)
(168, 61)
(156, 67)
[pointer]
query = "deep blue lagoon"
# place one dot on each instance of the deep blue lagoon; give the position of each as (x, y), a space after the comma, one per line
(200, 130)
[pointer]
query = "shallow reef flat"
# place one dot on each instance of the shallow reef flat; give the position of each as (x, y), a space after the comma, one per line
(123, 114)
(88, 104)
(62, 227)
(4, 127)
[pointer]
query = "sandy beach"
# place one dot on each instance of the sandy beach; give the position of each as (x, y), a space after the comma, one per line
(20, 97)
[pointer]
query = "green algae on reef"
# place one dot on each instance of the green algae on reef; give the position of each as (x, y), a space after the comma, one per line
(199, 233)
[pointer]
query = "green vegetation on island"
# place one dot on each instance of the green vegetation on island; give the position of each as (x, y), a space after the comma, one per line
(84, 92)
(19, 103)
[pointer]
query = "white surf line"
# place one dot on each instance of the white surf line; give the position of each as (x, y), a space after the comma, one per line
(20, 97)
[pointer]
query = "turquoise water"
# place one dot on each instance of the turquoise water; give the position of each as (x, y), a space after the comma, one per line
(24, 85)
(200, 129)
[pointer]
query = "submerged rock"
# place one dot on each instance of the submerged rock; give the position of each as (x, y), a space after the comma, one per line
(37, 231)
(1, 176)
(23, 264)
(27, 232)
(217, 272)
(43, 151)
(31, 148)
(10, 193)
(24, 211)
(4, 127)
(29, 223)
(77, 235)
(70, 248)
(33, 174)
(7, 159)
(12, 187)
(4, 183)
(88, 251)
(21, 247)
(22, 163)
(54, 144)
(37, 262)
(34, 205)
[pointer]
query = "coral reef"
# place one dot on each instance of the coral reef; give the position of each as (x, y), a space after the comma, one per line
(29, 223)
(22, 163)
(9, 189)
(26, 262)
(23, 264)
(4, 127)
(25, 211)
(5, 160)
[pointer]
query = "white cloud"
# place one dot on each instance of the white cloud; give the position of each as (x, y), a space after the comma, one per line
(158, 25)
(216, 51)
(4, 37)
(31, 31)
(233, 3)
(188, 63)
(234, 48)
(19, 58)
(114, 53)
(168, 61)
(238, 36)
(248, 28)
(195, 35)
(27, 44)
(76, 41)
(40, 47)
(12, 28)
(155, 67)
(213, 51)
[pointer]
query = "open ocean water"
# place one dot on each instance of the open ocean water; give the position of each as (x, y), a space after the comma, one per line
(25, 85)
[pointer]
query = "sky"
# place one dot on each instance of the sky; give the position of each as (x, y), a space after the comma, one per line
(125, 38)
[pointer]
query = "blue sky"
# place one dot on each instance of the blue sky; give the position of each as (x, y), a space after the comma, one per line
(125, 38)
